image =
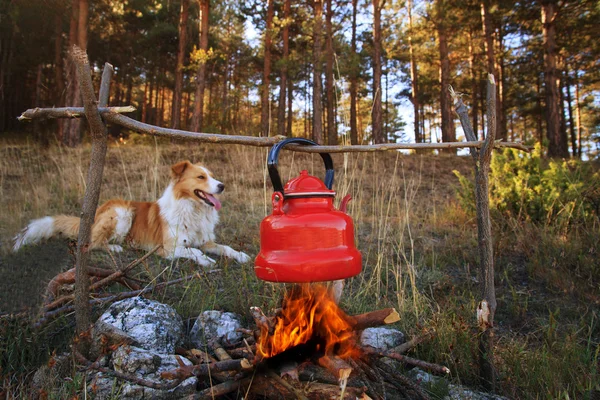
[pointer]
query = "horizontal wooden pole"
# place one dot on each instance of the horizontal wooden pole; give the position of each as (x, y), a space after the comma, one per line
(112, 114)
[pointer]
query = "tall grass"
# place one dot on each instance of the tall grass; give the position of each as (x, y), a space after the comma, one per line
(419, 249)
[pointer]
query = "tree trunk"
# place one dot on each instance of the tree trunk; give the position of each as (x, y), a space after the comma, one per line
(331, 129)
(290, 101)
(578, 113)
(474, 85)
(265, 101)
(492, 68)
(448, 132)
(378, 136)
(501, 131)
(72, 97)
(317, 130)
(413, 75)
(557, 141)
(281, 127)
(197, 116)
(183, 18)
(353, 79)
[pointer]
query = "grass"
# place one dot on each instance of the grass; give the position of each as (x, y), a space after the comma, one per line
(419, 249)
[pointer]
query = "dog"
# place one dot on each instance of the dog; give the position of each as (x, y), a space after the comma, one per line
(182, 221)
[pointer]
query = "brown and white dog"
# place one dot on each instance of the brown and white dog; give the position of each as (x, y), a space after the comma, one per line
(183, 221)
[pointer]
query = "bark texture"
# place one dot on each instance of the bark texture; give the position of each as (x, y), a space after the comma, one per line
(317, 71)
(557, 140)
(265, 101)
(198, 115)
(183, 17)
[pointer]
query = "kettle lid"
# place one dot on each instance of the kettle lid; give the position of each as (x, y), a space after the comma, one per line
(307, 185)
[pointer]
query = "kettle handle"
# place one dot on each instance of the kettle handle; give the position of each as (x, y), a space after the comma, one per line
(274, 155)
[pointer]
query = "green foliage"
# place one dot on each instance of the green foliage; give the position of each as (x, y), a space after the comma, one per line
(524, 186)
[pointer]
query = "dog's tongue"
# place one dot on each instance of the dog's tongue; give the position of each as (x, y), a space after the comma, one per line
(214, 200)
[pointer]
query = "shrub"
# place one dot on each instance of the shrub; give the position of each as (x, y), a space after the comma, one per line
(524, 186)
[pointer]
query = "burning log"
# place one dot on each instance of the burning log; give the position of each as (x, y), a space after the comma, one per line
(337, 366)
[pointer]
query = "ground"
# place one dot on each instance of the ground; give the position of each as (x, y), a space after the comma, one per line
(419, 249)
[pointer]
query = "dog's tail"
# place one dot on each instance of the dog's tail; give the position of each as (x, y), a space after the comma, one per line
(47, 227)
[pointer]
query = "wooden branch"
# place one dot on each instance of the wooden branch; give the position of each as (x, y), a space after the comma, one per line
(385, 316)
(104, 94)
(50, 315)
(99, 135)
(69, 112)
(142, 127)
(440, 369)
(261, 320)
(186, 371)
(401, 382)
(113, 115)
(337, 366)
(218, 390)
(404, 347)
(127, 377)
(485, 155)
(463, 116)
(107, 275)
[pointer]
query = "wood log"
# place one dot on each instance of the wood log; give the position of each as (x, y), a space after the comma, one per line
(185, 371)
(309, 372)
(440, 369)
(319, 391)
(218, 390)
(336, 365)
(405, 347)
(385, 316)
(242, 352)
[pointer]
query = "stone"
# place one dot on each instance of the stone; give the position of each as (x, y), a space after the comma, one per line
(144, 364)
(216, 328)
(381, 339)
(151, 325)
(449, 390)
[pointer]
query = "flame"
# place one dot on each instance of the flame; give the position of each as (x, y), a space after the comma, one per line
(309, 312)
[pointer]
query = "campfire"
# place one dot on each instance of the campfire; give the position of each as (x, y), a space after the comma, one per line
(307, 349)
(308, 315)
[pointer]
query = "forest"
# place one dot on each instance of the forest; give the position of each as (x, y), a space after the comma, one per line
(334, 71)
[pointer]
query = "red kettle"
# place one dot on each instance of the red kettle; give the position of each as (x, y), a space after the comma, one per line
(306, 239)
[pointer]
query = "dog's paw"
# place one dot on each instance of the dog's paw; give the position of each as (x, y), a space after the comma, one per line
(242, 257)
(115, 248)
(205, 261)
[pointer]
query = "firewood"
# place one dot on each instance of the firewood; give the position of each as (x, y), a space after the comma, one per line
(185, 371)
(319, 391)
(261, 320)
(107, 276)
(439, 369)
(217, 390)
(405, 347)
(221, 354)
(385, 316)
(310, 372)
(242, 352)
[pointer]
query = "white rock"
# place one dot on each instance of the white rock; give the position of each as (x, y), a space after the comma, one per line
(381, 338)
(455, 392)
(143, 364)
(155, 326)
(215, 327)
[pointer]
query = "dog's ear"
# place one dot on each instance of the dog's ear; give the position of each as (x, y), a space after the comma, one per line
(178, 169)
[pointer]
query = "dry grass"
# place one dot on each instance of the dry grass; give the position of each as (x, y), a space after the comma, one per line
(419, 250)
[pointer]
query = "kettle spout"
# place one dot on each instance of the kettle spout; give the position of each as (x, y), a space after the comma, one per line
(344, 203)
